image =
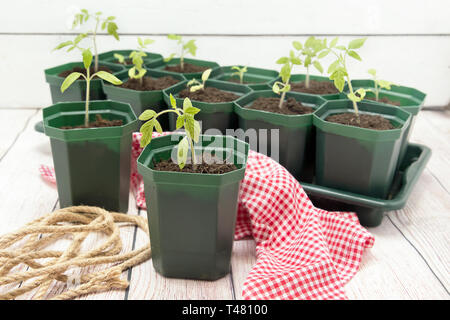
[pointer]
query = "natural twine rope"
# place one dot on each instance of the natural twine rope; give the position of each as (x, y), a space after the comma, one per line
(26, 246)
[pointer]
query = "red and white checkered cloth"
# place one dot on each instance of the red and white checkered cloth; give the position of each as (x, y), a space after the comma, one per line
(302, 252)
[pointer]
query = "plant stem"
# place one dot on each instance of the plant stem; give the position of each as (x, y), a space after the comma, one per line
(241, 76)
(182, 59)
(376, 91)
(355, 106)
(192, 154)
(94, 39)
(307, 77)
(88, 87)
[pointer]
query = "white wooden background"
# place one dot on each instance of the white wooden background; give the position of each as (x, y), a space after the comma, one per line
(409, 40)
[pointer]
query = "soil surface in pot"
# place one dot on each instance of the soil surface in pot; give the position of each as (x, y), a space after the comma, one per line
(367, 121)
(127, 62)
(290, 106)
(150, 84)
(386, 101)
(209, 165)
(98, 123)
(188, 68)
(315, 87)
(83, 71)
(209, 94)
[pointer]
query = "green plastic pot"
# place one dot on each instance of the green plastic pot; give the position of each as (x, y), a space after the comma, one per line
(192, 216)
(219, 116)
(189, 75)
(92, 166)
(357, 159)
(371, 210)
(296, 132)
(141, 100)
(302, 77)
(410, 99)
(77, 91)
(258, 79)
(151, 60)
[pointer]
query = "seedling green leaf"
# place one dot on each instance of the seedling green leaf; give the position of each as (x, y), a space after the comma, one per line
(196, 85)
(185, 118)
(185, 47)
(378, 84)
(239, 72)
(83, 17)
(283, 86)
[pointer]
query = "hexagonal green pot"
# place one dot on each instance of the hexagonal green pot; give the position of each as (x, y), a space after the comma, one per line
(141, 100)
(189, 75)
(151, 60)
(192, 216)
(410, 99)
(296, 142)
(77, 91)
(257, 78)
(219, 115)
(92, 166)
(302, 77)
(356, 159)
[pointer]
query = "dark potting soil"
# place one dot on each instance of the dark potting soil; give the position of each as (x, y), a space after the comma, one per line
(386, 101)
(98, 123)
(210, 165)
(188, 68)
(367, 121)
(83, 71)
(315, 87)
(150, 84)
(290, 106)
(126, 62)
(209, 94)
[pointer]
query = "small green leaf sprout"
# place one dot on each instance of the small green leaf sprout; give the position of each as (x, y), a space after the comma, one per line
(71, 78)
(120, 58)
(312, 51)
(283, 86)
(82, 17)
(379, 84)
(185, 47)
(136, 56)
(185, 118)
(239, 72)
(196, 85)
(338, 69)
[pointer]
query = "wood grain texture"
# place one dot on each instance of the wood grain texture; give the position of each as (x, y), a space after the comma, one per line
(242, 261)
(431, 76)
(236, 16)
(13, 123)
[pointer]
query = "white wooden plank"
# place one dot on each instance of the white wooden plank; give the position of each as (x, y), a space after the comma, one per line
(237, 17)
(13, 122)
(242, 261)
(147, 284)
(431, 76)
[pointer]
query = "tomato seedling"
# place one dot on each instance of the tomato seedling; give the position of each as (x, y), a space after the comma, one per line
(185, 119)
(71, 78)
(185, 47)
(196, 85)
(283, 86)
(312, 51)
(239, 72)
(378, 84)
(84, 16)
(338, 69)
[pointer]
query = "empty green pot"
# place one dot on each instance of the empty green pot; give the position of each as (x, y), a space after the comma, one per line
(357, 159)
(255, 78)
(192, 216)
(151, 60)
(77, 91)
(188, 75)
(410, 99)
(295, 139)
(92, 166)
(141, 100)
(214, 115)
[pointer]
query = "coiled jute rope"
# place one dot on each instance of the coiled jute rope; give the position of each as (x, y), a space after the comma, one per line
(27, 247)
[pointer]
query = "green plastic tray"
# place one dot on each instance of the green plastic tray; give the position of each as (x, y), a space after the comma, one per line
(371, 210)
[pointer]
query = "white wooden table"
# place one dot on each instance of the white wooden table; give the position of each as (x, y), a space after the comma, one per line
(410, 259)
